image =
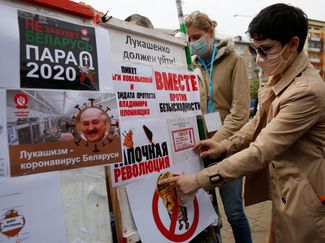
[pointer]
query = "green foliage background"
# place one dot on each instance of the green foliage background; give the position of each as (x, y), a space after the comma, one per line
(254, 88)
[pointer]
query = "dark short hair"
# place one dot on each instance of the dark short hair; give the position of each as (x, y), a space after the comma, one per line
(140, 20)
(280, 22)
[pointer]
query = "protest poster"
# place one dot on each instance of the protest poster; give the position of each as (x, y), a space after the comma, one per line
(135, 90)
(140, 47)
(52, 130)
(163, 215)
(31, 209)
(51, 53)
(183, 133)
(177, 92)
(146, 149)
(55, 54)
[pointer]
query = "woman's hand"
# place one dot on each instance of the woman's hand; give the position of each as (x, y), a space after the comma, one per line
(185, 184)
(209, 148)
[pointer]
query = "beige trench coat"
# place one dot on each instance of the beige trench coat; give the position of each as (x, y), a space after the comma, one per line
(293, 146)
(230, 89)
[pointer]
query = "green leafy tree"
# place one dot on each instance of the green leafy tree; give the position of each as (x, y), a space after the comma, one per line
(254, 89)
(255, 84)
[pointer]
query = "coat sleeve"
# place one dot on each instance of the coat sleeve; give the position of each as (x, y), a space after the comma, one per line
(239, 110)
(297, 114)
(241, 139)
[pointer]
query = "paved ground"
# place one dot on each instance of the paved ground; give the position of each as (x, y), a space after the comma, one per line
(258, 216)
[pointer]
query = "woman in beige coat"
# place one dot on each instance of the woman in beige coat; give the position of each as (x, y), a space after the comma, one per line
(223, 77)
(287, 134)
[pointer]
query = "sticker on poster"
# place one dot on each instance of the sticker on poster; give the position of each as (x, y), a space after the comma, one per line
(11, 223)
(59, 130)
(183, 139)
(184, 135)
(146, 150)
(55, 54)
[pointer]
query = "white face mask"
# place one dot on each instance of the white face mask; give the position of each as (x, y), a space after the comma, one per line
(273, 64)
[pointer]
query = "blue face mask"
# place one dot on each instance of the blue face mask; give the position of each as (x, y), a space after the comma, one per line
(200, 47)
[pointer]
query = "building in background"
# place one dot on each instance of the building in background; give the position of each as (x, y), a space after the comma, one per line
(241, 48)
(314, 46)
(255, 74)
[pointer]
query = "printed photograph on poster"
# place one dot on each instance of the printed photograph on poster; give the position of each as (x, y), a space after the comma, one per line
(52, 130)
(184, 135)
(161, 214)
(146, 149)
(135, 90)
(177, 92)
(26, 218)
(55, 54)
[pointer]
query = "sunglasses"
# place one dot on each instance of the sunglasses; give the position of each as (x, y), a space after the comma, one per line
(259, 50)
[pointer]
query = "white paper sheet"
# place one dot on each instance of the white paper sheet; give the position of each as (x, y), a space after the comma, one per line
(31, 209)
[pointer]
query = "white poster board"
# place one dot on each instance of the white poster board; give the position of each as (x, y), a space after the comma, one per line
(86, 211)
(31, 209)
(146, 49)
(117, 44)
(4, 154)
(179, 224)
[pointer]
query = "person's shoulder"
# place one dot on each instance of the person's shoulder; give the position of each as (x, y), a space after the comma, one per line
(311, 81)
(307, 88)
(226, 49)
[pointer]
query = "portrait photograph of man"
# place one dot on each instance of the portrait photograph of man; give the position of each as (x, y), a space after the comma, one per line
(93, 124)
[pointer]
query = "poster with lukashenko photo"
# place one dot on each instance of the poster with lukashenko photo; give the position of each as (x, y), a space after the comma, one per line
(52, 130)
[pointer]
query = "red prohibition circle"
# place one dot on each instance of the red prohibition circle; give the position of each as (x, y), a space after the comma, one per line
(170, 233)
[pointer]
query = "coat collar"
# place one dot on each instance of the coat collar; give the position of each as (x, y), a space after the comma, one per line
(224, 48)
(296, 67)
